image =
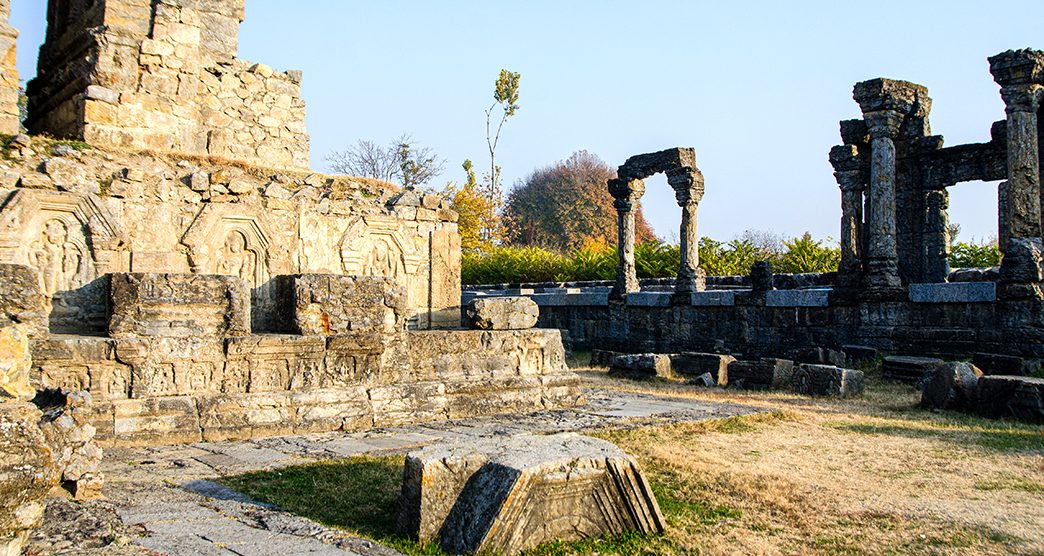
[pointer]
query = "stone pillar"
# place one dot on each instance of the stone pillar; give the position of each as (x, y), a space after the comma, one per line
(10, 114)
(626, 194)
(1021, 77)
(936, 242)
(851, 179)
(688, 190)
(882, 257)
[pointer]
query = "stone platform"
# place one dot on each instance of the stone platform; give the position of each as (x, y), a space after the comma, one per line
(162, 498)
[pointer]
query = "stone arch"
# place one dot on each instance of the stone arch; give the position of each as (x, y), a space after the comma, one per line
(232, 239)
(679, 164)
(377, 244)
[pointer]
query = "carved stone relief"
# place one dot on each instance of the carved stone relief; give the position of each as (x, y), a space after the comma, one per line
(233, 240)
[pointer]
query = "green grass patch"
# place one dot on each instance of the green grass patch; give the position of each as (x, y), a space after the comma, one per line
(1012, 483)
(964, 431)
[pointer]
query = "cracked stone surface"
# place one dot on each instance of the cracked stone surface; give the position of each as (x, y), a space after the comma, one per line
(162, 500)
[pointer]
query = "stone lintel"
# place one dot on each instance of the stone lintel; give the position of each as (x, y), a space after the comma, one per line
(1018, 67)
(909, 99)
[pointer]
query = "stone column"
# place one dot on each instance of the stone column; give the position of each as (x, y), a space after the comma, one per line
(626, 193)
(936, 267)
(1021, 77)
(882, 257)
(10, 117)
(688, 190)
(852, 181)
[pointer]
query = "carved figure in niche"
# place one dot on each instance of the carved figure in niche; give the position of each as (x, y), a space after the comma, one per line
(236, 259)
(384, 261)
(59, 261)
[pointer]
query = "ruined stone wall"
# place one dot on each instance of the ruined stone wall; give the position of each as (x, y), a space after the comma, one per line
(75, 217)
(10, 121)
(162, 75)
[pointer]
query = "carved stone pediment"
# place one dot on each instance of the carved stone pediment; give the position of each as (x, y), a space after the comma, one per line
(235, 240)
(377, 245)
(68, 237)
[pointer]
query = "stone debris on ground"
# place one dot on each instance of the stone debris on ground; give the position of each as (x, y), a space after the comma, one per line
(827, 380)
(908, 369)
(952, 386)
(1012, 397)
(507, 494)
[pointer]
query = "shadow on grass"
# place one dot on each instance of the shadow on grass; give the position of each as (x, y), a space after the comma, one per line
(997, 438)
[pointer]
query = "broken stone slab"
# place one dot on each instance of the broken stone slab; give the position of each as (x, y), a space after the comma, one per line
(1016, 397)
(827, 380)
(642, 365)
(504, 495)
(178, 305)
(908, 369)
(859, 354)
(761, 374)
(819, 356)
(951, 386)
(693, 364)
(502, 313)
(997, 364)
(603, 358)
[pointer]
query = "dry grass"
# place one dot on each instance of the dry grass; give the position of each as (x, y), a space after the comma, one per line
(873, 475)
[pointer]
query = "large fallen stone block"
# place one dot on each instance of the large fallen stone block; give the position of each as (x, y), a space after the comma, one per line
(1016, 397)
(693, 365)
(951, 386)
(503, 495)
(908, 369)
(819, 356)
(642, 365)
(997, 364)
(502, 313)
(763, 373)
(827, 380)
(603, 358)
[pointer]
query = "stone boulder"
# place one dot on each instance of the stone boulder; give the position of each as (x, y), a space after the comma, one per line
(15, 364)
(28, 471)
(692, 364)
(908, 369)
(502, 313)
(503, 495)
(642, 365)
(827, 380)
(1016, 397)
(761, 374)
(951, 386)
(997, 364)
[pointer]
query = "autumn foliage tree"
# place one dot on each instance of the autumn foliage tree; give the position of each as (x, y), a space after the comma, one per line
(567, 206)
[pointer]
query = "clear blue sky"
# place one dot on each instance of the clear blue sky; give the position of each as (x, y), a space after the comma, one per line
(756, 87)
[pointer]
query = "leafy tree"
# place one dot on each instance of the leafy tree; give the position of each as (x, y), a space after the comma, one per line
(972, 255)
(401, 161)
(478, 220)
(567, 205)
(805, 254)
(505, 95)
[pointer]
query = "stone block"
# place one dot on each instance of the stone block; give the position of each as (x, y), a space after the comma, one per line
(158, 420)
(596, 299)
(763, 373)
(713, 299)
(997, 364)
(28, 472)
(245, 416)
(23, 301)
(961, 292)
(819, 356)
(643, 365)
(178, 305)
(827, 380)
(330, 304)
(15, 364)
(692, 364)
(404, 404)
(908, 369)
(603, 358)
(1013, 397)
(951, 386)
(504, 495)
(797, 298)
(858, 354)
(502, 313)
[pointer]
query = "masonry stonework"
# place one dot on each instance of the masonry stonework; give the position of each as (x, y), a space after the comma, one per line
(163, 76)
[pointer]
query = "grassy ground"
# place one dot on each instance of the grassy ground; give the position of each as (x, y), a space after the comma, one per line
(872, 475)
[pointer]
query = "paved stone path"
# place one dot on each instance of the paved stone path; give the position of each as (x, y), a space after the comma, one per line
(161, 499)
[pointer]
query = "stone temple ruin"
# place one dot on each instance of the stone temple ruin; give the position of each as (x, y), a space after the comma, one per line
(197, 281)
(894, 291)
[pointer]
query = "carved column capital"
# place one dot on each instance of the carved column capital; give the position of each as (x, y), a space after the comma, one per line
(626, 193)
(1022, 98)
(687, 185)
(883, 124)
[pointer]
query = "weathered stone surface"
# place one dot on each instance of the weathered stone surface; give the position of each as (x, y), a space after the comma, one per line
(327, 304)
(504, 495)
(66, 425)
(643, 365)
(763, 373)
(27, 473)
(693, 364)
(502, 313)
(178, 305)
(603, 358)
(15, 364)
(1013, 397)
(961, 292)
(908, 369)
(996, 364)
(23, 301)
(951, 386)
(827, 380)
(818, 356)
